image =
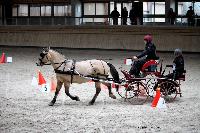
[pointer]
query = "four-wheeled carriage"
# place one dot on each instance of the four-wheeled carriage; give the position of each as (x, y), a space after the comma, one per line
(141, 88)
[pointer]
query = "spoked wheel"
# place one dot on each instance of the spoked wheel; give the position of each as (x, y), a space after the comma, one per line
(168, 90)
(136, 93)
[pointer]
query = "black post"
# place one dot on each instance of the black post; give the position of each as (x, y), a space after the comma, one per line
(7, 11)
(3, 13)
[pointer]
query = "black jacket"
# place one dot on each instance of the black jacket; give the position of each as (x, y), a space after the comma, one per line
(114, 14)
(179, 62)
(149, 52)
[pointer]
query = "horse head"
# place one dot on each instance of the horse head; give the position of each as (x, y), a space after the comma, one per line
(44, 57)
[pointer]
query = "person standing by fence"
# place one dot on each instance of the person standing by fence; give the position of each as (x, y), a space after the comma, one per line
(124, 16)
(171, 16)
(190, 16)
(115, 15)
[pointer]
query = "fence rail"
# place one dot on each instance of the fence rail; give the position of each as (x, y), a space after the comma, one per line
(180, 21)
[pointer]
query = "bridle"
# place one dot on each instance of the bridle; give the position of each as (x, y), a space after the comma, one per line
(42, 55)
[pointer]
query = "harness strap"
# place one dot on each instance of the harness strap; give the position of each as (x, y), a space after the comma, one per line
(103, 67)
(65, 61)
(68, 72)
(92, 67)
(72, 70)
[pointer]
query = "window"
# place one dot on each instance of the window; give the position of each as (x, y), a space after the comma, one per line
(23, 10)
(148, 8)
(151, 8)
(101, 8)
(62, 10)
(160, 8)
(183, 7)
(34, 10)
(89, 8)
(197, 8)
(45, 10)
(14, 10)
(95, 8)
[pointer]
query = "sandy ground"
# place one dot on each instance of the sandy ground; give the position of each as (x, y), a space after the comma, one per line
(23, 108)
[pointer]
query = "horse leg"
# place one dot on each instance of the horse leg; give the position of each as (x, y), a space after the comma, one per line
(67, 85)
(110, 90)
(98, 90)
(59, 85)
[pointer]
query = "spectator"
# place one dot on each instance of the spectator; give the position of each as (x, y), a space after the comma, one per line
(172, 16)
(133, 17)
(190, 16)
(115, 15)
(124, 16)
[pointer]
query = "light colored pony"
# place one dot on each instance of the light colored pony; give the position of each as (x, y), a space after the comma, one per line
(63, 67)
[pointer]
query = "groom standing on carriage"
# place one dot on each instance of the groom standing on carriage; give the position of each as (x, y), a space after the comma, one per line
(149, 52)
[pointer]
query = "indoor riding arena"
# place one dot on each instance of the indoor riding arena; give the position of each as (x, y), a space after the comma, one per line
(66, 66)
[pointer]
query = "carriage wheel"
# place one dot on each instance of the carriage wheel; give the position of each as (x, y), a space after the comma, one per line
(168, 90)
(136, 93)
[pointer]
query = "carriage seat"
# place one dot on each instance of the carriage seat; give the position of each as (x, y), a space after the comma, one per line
(150, 66)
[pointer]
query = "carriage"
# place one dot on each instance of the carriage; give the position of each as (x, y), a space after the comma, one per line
(134, 89)
(139, 89)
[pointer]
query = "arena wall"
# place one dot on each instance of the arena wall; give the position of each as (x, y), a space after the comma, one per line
(101, 37)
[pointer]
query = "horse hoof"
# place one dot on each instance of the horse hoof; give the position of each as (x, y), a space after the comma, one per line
(90, 103)
(51, 103)
(77, 98)
(112, 96)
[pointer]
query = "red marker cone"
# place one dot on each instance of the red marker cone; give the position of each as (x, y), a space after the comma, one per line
(41, 79)
(156, 98)
(3, 58)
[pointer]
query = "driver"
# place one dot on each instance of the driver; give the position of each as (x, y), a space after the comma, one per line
(150, 54)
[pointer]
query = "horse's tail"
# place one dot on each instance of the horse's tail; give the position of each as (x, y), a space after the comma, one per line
(114, 73)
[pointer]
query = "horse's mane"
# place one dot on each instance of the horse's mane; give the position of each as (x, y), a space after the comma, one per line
(56, 52)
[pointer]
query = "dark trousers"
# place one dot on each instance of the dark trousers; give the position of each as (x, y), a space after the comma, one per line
(124, 20)
(115, 21)
(136, 67)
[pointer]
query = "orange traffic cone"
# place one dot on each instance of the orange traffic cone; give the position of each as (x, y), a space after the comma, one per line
(53, 85)
(41, 79)
(3, 58)
(156, 98)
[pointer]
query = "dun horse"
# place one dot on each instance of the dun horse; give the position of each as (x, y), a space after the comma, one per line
(69, 71)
